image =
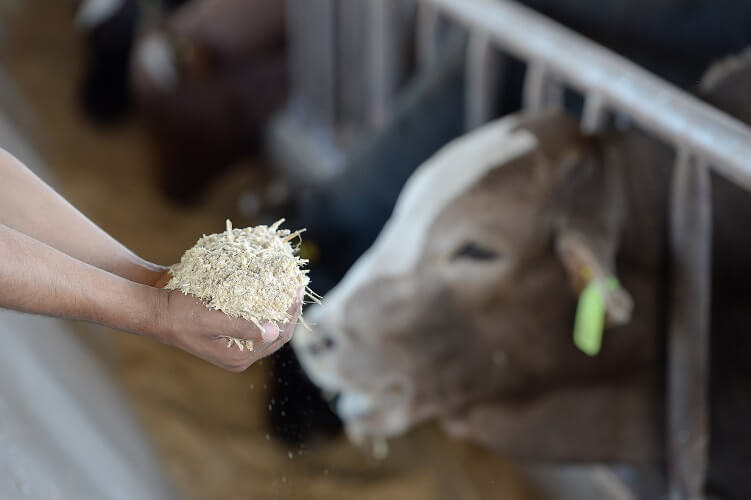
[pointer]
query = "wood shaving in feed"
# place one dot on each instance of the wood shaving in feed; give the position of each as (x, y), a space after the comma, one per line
(252, 273)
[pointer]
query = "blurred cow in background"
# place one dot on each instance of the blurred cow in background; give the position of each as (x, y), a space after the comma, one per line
(110, 28)
(462, 310)
(206, 81)
(205, 77)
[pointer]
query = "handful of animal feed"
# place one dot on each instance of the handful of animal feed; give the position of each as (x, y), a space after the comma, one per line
(253, 273)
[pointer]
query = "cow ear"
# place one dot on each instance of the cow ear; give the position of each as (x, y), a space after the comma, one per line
(585, 262)
(591, 211)
(725, 85)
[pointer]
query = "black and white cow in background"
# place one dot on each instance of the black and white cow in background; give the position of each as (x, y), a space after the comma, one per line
(205, 75)
(109, 29)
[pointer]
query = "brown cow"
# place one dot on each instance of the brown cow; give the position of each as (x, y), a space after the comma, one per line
(463, 309)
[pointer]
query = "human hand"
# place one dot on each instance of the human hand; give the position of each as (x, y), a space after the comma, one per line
(186, 323)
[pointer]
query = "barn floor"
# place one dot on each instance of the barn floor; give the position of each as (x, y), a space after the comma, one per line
(207, 426)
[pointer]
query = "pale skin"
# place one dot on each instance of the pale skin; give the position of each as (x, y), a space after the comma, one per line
(56, 262)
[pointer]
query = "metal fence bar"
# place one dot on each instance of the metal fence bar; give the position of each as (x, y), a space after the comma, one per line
(554, 94)
(482, 72)
(427, 33)
(381, 71)
(688, 335)
(541, 90)
(652, 103)
(533, 93)
(594, 115)
(351, 23)
(312, 32)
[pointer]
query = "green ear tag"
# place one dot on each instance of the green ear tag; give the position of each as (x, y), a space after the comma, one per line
(590, 317)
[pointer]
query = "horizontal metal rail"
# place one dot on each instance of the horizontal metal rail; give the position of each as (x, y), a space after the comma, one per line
(606, 79)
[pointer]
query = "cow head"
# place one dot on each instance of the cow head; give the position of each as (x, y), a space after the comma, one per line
(464, 306)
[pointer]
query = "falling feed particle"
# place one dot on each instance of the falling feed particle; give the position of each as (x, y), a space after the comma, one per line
(252, 273)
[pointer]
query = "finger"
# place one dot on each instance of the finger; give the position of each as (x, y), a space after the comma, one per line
(284, 334)
(289, 329)
(270, 332)
(247, 338)
(295, 309)
(246, 330)
(269, 349)
(284, 337)
(295, 314)
(163, 279)
(233, 359)
(230, 357)
(265, 341)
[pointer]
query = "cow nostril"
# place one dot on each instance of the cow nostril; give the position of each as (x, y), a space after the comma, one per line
(325, 344)
(333, 400)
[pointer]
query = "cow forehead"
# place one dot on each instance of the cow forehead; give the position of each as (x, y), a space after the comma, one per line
(439, 181)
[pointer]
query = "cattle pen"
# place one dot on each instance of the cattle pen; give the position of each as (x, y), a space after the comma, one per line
(611, 86)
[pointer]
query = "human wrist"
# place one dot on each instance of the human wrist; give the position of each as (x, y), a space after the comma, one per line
(161, 323)
(135, 308)
(144, 272)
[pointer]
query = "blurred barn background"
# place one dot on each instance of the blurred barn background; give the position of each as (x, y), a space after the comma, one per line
(160, 119)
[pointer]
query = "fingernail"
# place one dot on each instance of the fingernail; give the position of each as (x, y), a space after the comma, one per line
(270, 332)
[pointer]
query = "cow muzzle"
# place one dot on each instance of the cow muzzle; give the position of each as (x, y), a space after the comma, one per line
(371, 402)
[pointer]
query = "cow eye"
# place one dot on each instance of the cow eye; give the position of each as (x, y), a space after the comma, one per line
(475, 251)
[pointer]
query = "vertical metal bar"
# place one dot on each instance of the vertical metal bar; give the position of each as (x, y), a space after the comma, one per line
(553, 94)
(482, 76)
(688, 333)
(312, 33)
(352, 67)
(391, 31)
(296, 42)
(541, 91)
(534, 87)
(381, 74)
(326, 93)
(427, 32)
(594, 115)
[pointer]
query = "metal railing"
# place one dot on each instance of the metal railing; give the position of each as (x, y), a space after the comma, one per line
(558, 55)
(348, 60)
(703, 137)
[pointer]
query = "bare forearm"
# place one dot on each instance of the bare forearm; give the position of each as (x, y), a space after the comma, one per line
(30, 206)
(37, 278)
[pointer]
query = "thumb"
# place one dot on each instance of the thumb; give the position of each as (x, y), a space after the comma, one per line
(163, 279)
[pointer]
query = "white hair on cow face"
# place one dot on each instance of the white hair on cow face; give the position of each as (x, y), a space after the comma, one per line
(92, 13)
(449, 173)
